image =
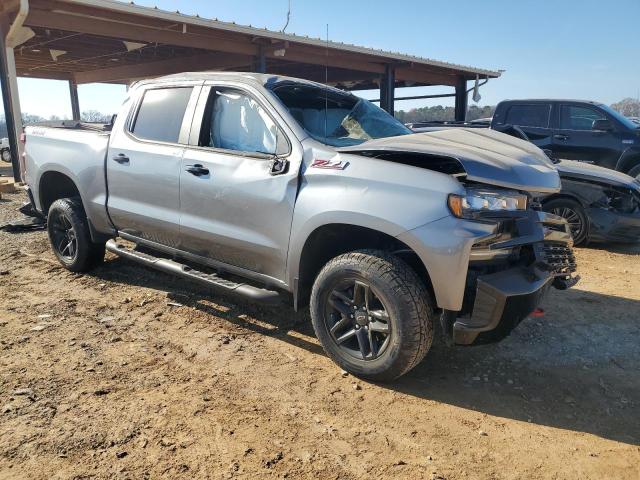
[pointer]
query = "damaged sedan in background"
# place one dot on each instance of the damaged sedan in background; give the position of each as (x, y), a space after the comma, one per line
(600, 205)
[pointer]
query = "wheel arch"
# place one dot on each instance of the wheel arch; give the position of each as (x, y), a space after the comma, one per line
(629, 159)
(54, 185)
(329, 240)
(566, 196)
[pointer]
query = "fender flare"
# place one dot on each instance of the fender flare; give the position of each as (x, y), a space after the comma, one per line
(628, 159)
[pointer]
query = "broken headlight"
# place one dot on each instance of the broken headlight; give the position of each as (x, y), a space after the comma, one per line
(476, 201)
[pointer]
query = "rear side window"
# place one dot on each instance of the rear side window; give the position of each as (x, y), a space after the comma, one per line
(578, 118)
(161, 113)
(529, 115)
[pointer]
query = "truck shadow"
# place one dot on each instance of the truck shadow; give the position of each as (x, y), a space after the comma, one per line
(576, 368)
(625, 248)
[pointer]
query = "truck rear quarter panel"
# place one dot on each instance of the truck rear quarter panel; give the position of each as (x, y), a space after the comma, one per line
(78, 154)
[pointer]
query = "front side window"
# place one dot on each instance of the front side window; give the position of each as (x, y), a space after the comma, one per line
(161, 113)
(529, 115)
(233, 120)
(578, 118)
(334, 117)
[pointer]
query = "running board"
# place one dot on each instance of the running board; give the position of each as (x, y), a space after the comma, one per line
(184, 271)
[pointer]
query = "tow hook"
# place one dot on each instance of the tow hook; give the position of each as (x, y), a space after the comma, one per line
(563, 283)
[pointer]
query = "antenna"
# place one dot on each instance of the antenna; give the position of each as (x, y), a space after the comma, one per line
(288, 17)
(326, 83)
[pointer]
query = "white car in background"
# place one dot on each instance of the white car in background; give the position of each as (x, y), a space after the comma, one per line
(5, 151)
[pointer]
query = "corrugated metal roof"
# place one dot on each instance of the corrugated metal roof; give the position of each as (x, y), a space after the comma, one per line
(155, 12)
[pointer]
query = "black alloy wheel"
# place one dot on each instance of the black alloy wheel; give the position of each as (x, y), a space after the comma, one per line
(70, 237)
(576, 225)
(372, 314)
(357, 319)
(574, 214)
(64, 239)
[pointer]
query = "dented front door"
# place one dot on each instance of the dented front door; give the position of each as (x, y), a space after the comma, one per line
(233, 208)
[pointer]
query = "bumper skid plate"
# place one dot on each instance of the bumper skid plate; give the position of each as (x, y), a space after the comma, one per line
(503, 300)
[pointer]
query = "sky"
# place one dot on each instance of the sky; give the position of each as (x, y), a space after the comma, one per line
(587, 49)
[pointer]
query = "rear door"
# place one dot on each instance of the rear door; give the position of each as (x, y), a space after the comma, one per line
(235, 207)
(575, 139)
(533, 118)
(144, 160)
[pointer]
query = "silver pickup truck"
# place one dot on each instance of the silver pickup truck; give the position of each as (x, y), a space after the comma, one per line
(271, 187)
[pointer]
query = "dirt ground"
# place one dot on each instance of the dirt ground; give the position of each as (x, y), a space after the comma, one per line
(130, 373)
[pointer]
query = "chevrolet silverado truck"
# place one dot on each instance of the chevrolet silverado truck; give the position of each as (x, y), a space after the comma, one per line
(274, 188)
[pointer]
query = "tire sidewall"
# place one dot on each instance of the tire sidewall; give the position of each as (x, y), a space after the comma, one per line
(5, 155)
(391, 363)
(74, 213)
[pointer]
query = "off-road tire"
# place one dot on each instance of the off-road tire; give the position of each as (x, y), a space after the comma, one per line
(87, 253)
(635, 172)
(5, 155)
(407, 301)
(562, 203)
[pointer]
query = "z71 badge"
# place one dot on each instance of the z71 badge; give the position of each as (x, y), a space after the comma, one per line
(329, 164)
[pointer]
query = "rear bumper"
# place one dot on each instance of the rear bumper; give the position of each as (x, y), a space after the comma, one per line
(608, 226)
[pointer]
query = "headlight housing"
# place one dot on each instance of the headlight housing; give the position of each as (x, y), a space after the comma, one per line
(476, 201)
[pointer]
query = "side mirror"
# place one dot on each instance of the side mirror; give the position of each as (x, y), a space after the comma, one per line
(602, 125)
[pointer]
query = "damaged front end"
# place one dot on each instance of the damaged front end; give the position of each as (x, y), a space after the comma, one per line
(613, 210)
(509, 273)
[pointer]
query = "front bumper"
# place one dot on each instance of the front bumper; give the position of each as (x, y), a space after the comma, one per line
(497, 299)
(609, 226)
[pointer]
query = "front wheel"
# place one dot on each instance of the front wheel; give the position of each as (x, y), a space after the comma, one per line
(574, 214)
(69, 236)
(5, 154)
(372, 314)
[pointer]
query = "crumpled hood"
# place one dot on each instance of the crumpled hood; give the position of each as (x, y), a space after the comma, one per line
(587, 171)
(486, 155)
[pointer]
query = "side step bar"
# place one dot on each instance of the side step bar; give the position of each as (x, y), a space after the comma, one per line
(184, 271)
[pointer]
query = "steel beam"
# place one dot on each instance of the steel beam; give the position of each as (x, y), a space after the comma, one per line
(75, 102)
(461, 100)
(11, 101)
(387, 89)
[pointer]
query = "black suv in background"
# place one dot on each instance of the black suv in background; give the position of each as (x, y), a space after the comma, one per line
(576, 130)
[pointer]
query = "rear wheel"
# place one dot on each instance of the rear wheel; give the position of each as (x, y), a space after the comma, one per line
(69, 236)
(5, 154)
(372, 314)
(574, 214)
